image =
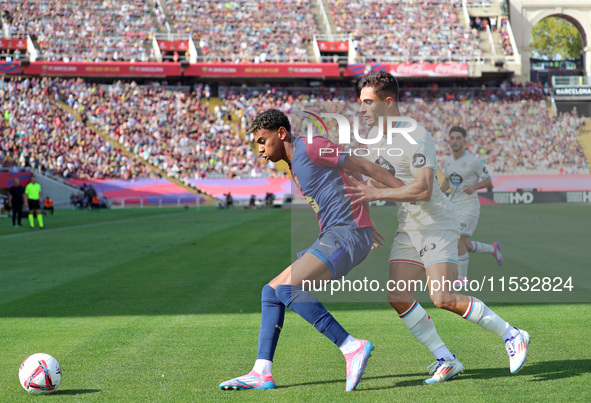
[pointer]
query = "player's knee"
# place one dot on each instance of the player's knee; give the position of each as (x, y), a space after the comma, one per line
(398, 300)
(443, 300)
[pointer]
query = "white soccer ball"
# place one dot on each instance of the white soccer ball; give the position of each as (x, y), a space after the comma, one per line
(40, 373)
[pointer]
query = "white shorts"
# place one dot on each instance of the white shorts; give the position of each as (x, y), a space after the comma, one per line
(468, 214)
(425, 248)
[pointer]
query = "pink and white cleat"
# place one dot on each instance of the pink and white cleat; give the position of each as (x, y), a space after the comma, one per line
(497, 253)
(356, 362)
(252, 380)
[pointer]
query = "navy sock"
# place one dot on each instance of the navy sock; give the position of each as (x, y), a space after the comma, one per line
(308, 307)
(272, 315)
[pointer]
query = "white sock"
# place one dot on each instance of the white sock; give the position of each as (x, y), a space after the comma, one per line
(443, 353)
(484, 317)
(479, 247)
(263, 367)
(350, 345)
(423, 329)
(511, 332)
(463, 266)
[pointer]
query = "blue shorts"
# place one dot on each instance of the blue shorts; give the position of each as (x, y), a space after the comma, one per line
(341, 248)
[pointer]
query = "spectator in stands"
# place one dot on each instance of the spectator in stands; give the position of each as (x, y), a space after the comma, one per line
(508, 129)
(241, 32)
(70, 30)
(37, 132)
(406, 31)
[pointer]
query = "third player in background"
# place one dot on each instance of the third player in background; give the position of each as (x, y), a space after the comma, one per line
(465, 174)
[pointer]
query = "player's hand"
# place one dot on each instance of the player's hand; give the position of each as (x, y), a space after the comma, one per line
(469, 189)
(378, 239)
(360, 192)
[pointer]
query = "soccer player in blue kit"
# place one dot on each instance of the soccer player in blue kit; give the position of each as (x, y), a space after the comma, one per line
(347, 236)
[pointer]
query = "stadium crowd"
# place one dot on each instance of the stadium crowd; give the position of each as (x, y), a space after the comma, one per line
(92, 30)
(177, 131)
(238, 31)
(171, 129)
(39, 134)
(510, 127)
(510, 137)
(247, 31)
(406, 31)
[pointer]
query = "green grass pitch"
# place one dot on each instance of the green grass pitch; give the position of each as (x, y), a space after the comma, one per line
(164, 304)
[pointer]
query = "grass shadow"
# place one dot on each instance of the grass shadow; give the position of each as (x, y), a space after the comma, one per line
(541, 371)
(74, 392)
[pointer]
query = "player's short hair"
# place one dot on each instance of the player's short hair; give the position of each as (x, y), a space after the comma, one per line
(271, 119)
(383, 83)
(459, 130)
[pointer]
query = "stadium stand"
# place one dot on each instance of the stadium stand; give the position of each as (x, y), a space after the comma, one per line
(512, 130)
(406, 31)
(247, 31)
(189, 138)
(91, 30)
(172, 129)
(39, 134)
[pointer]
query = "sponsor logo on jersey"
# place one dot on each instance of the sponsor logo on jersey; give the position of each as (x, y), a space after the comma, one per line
(456, 179)
(386, 165)
(484, 170)
(419, 160)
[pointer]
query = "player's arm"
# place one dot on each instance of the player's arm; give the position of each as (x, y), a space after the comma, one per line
(26, 196)
(480, 185)
(374, 171)
(483, 175)
(420, 189)
(355, 166)
(445, 185)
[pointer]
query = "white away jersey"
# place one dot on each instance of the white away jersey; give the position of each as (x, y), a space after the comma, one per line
(466, 170)
(403, 159)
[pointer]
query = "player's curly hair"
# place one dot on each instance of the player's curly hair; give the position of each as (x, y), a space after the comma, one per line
(383, 83)
(271, 119)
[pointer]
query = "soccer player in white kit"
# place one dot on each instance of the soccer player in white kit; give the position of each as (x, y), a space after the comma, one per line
(428, 233)
(464, 175)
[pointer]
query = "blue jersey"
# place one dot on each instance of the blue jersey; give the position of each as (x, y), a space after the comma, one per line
(319, 175)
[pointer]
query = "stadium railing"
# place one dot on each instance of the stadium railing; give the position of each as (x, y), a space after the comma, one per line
(491, 42)
(516, 56)
(327, 28)
(252, 59)
(465, 11)
(571, 81)
(155, 201)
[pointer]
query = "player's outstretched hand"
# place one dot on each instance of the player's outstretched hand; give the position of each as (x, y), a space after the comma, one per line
(360, 192)
(378, 239)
